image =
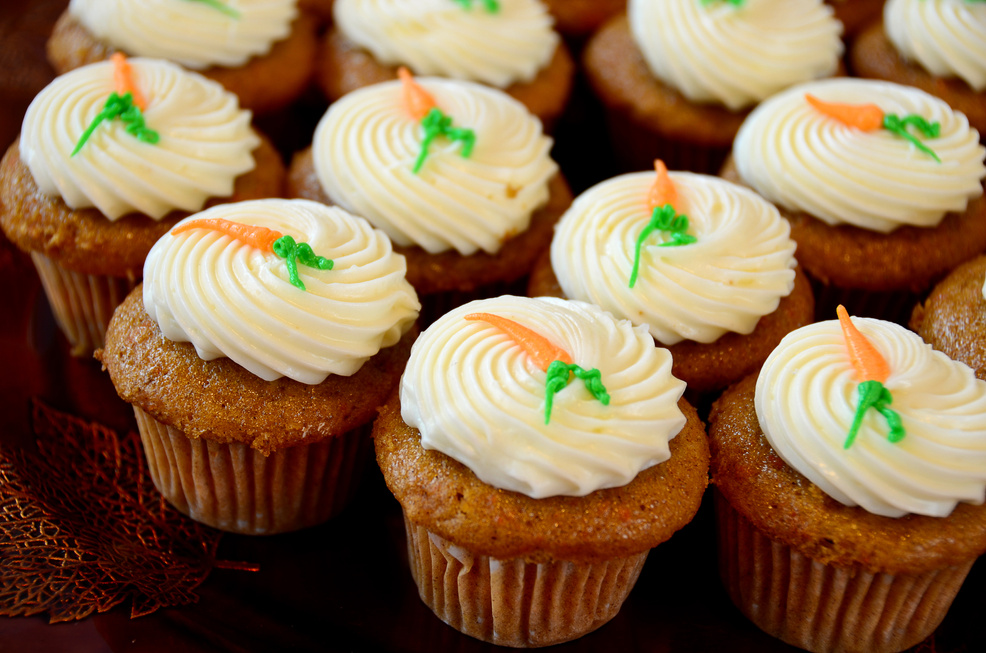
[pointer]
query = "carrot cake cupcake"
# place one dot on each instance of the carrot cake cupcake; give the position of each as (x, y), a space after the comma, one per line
(261, 50)
(707, 266)
(953, 318)
(677, 77)
(256, 353)
(458, 174)
(882, 184)
(850, 478)
(539, 448)
(938, 46)
(856, 14)
(507, 44)
(111, 156)
(581, 17)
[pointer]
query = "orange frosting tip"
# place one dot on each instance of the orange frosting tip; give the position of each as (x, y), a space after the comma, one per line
(123, 80)
(260, 237)
(663, 191)
(539, 348)
(868, 363)
(867, 117)
(417, 101)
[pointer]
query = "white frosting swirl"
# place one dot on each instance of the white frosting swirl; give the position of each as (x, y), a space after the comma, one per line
(191, 33)
(736, 56)
(802, 160)
(445, 39)
(229, 298)
(736, 272)
(365, 149)
(806, 399)
(478, 397)
(205, 141)
(945, 37)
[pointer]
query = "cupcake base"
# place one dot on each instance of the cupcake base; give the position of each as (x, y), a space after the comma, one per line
(824, 608)
(513, 602)
(82, 303)
(235, 488)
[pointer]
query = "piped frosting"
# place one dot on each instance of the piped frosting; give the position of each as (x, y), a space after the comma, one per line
(232, 298)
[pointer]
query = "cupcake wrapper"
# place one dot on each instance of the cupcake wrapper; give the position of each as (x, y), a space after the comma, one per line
(824, 608)
(517, 603)
(82, 303)
(635, 148)
(236, 488)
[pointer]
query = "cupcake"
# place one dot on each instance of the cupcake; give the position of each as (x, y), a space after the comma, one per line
(578, 18)
(539, 448)
(713, 278)
(938, 46)
(953, 318)
(882, 185)
(261, 50)
(94, 180)
(677, 77)
(256, 353)
(856, 14)
(506, 44)
(850, 482)
(468, 195)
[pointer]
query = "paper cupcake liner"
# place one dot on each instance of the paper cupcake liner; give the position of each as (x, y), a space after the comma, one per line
(82, 303)
(517, 603)
(635, 147)
(823, 608)
(236, 488)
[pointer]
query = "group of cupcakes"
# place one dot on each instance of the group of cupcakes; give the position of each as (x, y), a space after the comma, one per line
(270, 314)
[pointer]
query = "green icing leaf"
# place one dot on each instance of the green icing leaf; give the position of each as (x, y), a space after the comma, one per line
(293, 253)
(873, 394)
(663, 218)
(215, 4)
(559, 376)
(437, 124)
(897, 125)
(121, 107)
(491, 6)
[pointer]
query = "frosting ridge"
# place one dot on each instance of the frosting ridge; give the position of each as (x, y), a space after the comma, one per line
(945, 37)
(475, 395)
(445, 39)
(366, 145)
(735, 56)
(803, 160)
(231, 299)
(205, 141)
(193, 34)
(806, 398)
(737, 271)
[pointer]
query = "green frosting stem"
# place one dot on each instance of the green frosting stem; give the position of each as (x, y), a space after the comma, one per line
(121, 107)
(662, 218)
(294, 253)
(873, 394)
(492, 6)
(559, 375)
(436, 124)
(215, 4)
(897, 125)
(735, 3)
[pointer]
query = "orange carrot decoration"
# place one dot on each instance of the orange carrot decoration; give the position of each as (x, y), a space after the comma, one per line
(869, 364)
(870, 117)
(554, 361)
(124, 81)
(663, 191)
(417, 101)
(260, 237)
(867, 117)
(537, 346)
(871, 370)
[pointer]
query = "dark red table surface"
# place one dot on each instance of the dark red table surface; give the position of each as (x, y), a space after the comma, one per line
(345, 585)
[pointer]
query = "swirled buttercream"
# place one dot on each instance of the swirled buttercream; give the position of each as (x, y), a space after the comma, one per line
(366, 145)
(805, 161)
(945, 37)
(195, 34)
(735, 55)
(806, 398)
(477, 396)
(229, 298)
(737, 271)
(205, 141)
(445, 39)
